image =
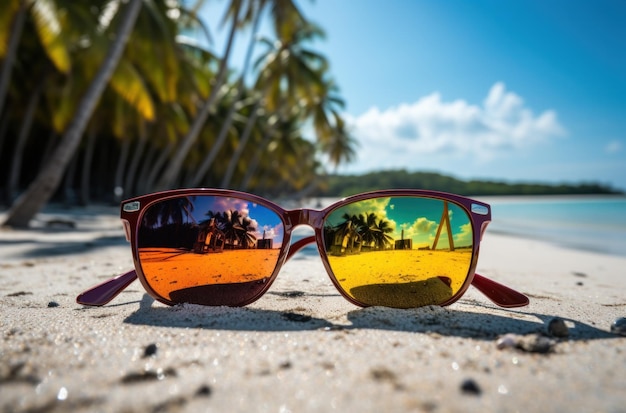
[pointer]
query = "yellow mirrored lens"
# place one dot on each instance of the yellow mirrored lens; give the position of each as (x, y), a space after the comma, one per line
(209, 250)
(399, 252)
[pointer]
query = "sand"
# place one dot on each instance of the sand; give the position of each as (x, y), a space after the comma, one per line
(302, 347)
(170, 269)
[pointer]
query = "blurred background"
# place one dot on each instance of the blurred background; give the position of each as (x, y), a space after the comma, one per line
(299, 98)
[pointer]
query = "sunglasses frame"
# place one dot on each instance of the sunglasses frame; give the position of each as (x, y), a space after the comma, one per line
(133, 209)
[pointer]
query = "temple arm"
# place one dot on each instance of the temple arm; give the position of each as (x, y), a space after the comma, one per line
(498, 293)
(103, 293)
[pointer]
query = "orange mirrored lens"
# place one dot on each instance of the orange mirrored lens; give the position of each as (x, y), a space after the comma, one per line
(209, 250)
(401, 252)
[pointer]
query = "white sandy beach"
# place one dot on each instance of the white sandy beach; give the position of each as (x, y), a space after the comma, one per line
(302, 347)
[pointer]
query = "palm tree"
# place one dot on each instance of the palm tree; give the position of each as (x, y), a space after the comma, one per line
(289, 164)
(172, 211)
(374, 233)
(335, 141)
(20, 144)
(174, 118)
(174, 166)
(50, 176)
(285, 17)
(383, 239)
(253, 12)
(237, 228)
(13, 18)
(287, 73)
(47, 22)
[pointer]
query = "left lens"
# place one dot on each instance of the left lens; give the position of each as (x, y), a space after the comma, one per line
(400, 252)
(209, 250)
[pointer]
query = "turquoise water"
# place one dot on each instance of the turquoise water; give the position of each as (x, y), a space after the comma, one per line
(589, 223)
(592, 223)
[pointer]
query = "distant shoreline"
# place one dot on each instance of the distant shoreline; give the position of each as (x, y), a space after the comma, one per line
(343, 185)
(547, 197)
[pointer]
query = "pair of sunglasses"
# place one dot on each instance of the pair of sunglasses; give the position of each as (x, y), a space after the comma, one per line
(393, 248)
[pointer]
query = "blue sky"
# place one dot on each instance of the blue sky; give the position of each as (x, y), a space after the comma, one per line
(517, 90)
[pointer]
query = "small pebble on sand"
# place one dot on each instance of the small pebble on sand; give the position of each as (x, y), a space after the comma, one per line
(469, 386)
(150, 350)
(619, 326)
(531, 343)
(204, 391)
(557, 328)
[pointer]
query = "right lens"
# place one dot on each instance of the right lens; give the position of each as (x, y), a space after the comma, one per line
(401, 252)
(209, 250)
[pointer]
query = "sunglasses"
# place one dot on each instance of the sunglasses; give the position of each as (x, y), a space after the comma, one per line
(393, 248)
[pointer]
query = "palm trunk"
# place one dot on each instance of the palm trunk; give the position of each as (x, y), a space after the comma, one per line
(147, 161)
(245, 136)
(129, 183)
(9, 58)
(217, 146)
(4, 126)
(118, 185)
(101, 173)
(50, 143)
(254, 165)
(158, 166)
(20, 144)
(44, 185)
(85, 176)
(172, 171)
(68, 181)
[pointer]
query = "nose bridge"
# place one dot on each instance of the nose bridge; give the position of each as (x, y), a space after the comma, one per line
(310, 217)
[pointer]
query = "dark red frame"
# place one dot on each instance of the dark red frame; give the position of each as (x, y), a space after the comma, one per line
(132, 211)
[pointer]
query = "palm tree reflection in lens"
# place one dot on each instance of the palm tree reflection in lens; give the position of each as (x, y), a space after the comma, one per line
(209, 250)
(399, 252)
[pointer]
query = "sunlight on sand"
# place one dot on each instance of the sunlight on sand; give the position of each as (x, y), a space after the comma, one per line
(170, 269)
(402, 278)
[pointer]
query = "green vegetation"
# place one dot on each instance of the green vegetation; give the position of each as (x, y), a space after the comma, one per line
(105, 99)
(344, 185)
(102, 100)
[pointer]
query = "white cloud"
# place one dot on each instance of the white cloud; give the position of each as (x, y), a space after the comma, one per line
(613, 147)
(405, 135)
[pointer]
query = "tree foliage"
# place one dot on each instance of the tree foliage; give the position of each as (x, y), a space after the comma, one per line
(167, 92)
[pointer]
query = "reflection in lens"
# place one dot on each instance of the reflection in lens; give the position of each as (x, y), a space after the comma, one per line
(399, 252)
(209, 250)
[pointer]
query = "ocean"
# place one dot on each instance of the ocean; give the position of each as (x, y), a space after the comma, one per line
(592, 223)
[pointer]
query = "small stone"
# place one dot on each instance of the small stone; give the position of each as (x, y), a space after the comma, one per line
(204, 391)
(137, 377)
(536, 344)
(557, 328)
(53, 304)
(531, 343)
(148, 375)
(150, 350)
(507, 341)
(469, 386)
(619, 326)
